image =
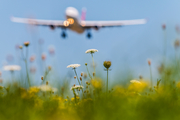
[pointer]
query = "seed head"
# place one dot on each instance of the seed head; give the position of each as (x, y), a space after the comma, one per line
(80, 78)
(149, 62)
(43, 57)
(42, 78)
(93, 73)
(47, 83)
(49, 68)
(74, 77)
(85, 64)
(26, 43)
(81, 74)
(163, 26)
(20, 47)
(177, 43)
(107, 64)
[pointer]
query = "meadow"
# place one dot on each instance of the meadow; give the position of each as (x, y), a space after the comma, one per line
(91, 97)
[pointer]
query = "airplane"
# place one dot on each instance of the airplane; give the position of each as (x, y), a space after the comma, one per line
(75, 24)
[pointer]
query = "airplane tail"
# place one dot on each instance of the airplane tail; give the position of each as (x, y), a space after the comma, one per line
(83, 14)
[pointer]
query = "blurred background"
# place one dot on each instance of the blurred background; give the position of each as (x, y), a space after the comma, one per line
(128, 47)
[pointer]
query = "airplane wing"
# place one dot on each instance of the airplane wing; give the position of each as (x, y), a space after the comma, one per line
(91, 24)
(55, 23)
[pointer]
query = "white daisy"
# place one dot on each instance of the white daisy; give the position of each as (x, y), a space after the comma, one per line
(91, 51)
(45, 88)
(73, 66)
(12, 68)
(54, 89)
(135, 81)
(77, 87)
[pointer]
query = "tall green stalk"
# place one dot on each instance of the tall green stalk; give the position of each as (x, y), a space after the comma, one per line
(151, 76)
(88, 72)
(27, 67)
(107, 82)
(93, 63)
(77, 76)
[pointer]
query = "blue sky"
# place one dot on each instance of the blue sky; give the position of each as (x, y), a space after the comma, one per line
(127, 47)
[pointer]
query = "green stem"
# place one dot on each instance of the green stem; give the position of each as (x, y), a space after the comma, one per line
(88, 72)
(165, 47)
(151, 77)
(77, 76)
(93, 62)
(12, 76)
(27, 67)
(107, 82)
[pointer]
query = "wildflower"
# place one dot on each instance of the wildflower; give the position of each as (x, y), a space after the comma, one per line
(73, 66)
(91, 51)
(149, 62)
(51, 50)
(20, 47)
(77, 87)
(85, 75)
(137, 85)
(81, 74)
(12, 68)
(45, 88)
(26, 43)
(47, 82)
(96, 83)
(33, 89)
(107, 64)
(93, 73)
(32, 69)
(54, 89)
(163, 26)
(176, 43)
(32, 58)
(43, 56)
(49, 68)
(135, 81)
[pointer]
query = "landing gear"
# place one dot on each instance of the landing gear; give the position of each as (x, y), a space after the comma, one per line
(89, 35)
(63, 34)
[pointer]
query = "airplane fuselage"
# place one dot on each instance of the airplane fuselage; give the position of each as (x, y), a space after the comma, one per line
(73, 22)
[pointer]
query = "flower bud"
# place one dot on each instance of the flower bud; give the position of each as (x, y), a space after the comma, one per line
(163, 26)
(42, 78)
(47, 83)
(43, 57)
(85, 64)
(149, 62)
(26, 43)
(20, 47)
(80, 78)
(81, 74)
(49, 68)
(74, 77)
(93, 73)
(107, 64)
(177, 43)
